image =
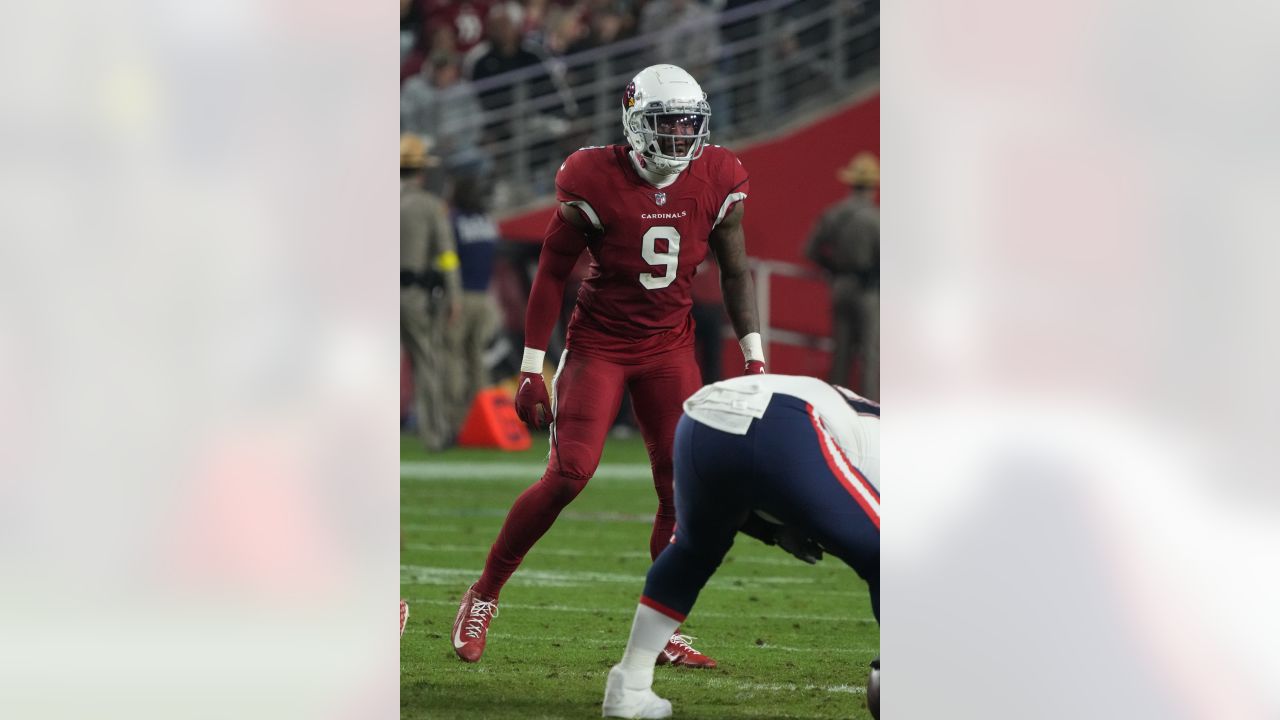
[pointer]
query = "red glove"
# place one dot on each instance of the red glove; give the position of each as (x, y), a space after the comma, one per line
(755, 367)
(532, 404)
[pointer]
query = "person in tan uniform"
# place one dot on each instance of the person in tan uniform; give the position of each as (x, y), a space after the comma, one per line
(477, 237)
(846, 243)
(430, 292)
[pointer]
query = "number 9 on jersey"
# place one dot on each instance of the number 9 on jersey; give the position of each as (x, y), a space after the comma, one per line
(669, 259)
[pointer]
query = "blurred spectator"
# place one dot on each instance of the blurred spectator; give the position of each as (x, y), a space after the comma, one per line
(742, 62)
(439, 27)
(708, 319)
(502, 52)
(563, 28)
(603, 28)
(463, 18)
(688, 35)
(477, 236)
(430, 291)
(409, 23)
(538, 123)
(862, 21)
(846, 243)
(802, 74)
(503, 49)
(605, 23)
(441, 105)
(542, 16)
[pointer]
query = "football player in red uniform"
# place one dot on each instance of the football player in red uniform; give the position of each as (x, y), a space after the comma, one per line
(648, 212)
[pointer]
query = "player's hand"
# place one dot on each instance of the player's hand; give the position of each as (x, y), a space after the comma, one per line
(754, 367)
(799, 545)
(532, 403)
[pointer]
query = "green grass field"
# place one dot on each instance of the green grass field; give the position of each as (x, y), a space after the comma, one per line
(792, 640)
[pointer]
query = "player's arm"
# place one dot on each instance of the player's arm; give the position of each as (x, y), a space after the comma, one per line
(563, 242)
(565, 238)
(730, 246)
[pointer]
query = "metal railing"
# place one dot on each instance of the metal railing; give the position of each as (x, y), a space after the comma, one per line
(770, 61)
(764, 271)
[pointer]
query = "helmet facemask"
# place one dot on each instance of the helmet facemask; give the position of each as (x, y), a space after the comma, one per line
(669, 136)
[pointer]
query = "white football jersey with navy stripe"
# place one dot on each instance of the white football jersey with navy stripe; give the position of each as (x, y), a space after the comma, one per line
(853, 421)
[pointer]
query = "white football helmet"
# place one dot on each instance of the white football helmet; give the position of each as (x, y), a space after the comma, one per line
(666, 118)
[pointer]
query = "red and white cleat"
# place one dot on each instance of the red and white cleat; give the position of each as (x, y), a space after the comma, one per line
(679, 652)
(404, 616)
(472, 625)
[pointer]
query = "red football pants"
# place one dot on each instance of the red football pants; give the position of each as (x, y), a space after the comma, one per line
(588, 391)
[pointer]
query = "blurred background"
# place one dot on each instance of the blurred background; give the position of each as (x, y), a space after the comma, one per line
(501, 93)
(199, 504)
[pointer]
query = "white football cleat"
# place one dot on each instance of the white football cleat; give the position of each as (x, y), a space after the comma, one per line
(622, 702)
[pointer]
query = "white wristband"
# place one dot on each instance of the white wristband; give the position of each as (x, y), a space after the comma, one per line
(532, 361)
(752, 349)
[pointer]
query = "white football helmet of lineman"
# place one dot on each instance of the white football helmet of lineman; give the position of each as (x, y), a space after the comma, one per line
(666, 118)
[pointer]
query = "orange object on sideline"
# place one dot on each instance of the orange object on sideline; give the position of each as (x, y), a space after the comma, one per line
(492, 422)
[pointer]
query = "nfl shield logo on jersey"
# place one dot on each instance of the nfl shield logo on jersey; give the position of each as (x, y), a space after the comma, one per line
(660, 198)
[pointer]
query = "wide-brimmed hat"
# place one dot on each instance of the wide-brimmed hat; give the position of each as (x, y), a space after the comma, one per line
(863, 169)
(415, 152)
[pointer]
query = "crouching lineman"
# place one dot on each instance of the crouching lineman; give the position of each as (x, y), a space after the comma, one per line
(750, 453)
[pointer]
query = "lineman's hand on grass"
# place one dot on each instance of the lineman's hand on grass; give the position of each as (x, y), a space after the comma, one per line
(799, 545)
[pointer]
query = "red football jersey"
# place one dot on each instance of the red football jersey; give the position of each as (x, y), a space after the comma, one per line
(636, 299)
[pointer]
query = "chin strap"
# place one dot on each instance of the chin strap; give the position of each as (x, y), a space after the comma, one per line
(653, 177)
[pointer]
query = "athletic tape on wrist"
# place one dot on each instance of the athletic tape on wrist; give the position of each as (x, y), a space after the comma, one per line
(532, 361)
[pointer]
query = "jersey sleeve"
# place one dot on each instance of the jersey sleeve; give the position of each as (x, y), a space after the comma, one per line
(736, 185)
(574, 184)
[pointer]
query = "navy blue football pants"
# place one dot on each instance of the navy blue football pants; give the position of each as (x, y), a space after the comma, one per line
(782, 467)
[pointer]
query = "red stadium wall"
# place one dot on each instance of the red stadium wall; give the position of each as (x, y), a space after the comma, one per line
(793, 179)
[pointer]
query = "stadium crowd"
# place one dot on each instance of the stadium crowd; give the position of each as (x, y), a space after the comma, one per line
(463, 63)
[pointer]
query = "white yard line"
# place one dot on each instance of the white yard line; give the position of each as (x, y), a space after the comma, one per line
(491, 512)
(628, 612)
(763, 687)
(423, 575)
(621, 642)
(451, 470)
(637, 555)
(698, 678)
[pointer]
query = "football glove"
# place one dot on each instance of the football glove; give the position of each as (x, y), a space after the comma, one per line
(754, 367)
(798, 544)
(532, 403)
(782, 536)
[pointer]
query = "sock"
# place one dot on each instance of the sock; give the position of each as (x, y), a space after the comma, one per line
(664, 523)
(650, 632)
(533, 513)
